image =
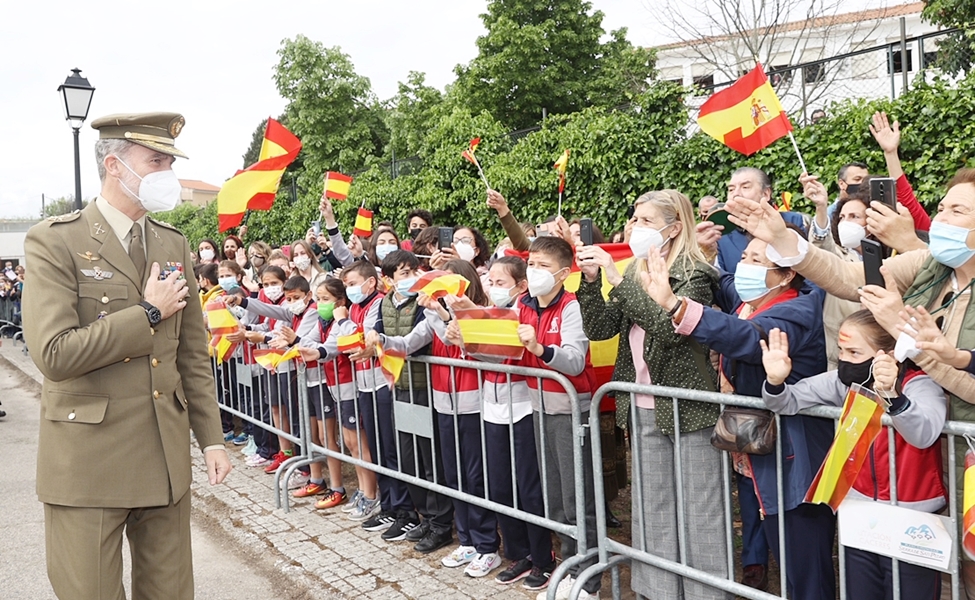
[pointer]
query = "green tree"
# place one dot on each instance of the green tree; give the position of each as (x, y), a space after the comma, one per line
(548, 55)
(956, 53)
(60, 206)
(413, 112)
(254, 150)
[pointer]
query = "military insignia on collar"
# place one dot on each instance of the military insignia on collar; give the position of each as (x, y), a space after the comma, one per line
(98, 229)
(89, 256)
(97, 273)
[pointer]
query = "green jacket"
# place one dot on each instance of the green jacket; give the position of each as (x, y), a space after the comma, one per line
(673, 360)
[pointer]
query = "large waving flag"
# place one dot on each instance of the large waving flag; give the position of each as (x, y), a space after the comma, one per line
(858, 428)
(491, 332)
(220, 323)
(747, 116)
(272, 358)
(337, 185)
(438, 284)
(390, 363)
(254, 187)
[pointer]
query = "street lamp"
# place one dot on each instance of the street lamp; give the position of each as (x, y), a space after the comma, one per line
(77, 94)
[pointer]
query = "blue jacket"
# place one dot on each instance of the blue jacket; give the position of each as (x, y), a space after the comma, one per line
(805, 440)
(731, 245)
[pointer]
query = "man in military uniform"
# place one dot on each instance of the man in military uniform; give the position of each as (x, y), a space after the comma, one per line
(105, 313)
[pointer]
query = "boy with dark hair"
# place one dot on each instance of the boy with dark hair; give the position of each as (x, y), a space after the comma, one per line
(551, 331)
(400, 315)
(418, 220)
(375, 401)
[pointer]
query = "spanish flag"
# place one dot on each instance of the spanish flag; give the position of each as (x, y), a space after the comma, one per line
(221, 322)
(390, 363)
(254, 187)
(747, 116)
(353, 341)
(469, 153)
(337, 185)
(438, 284)
(491, 331)
(561, 165)
(363, 223)
(272, 358)
(858, 428)
(968, 522)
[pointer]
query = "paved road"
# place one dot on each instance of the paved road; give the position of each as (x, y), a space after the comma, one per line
(221, 572)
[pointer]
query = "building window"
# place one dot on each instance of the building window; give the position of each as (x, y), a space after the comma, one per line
(930, 59)
(781, 77)
(705, 81)
(814, 73)
(898, 61)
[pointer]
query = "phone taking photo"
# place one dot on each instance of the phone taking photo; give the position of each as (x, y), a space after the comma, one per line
(585, 231)
(873, 258)
(445, 237)
(884, 190)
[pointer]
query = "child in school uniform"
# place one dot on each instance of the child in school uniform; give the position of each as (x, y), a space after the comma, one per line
(457, 402)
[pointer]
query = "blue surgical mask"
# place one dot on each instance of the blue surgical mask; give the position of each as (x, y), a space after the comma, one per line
(750, 281)
(355, 294)
(949, 244)
(403, 287)
(383, 250)
(228, 284)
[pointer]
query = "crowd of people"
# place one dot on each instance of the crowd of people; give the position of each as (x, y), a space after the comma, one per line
(772, 304)
(11, 289)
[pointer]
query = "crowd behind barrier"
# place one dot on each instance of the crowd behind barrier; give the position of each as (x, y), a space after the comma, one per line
(604, 553)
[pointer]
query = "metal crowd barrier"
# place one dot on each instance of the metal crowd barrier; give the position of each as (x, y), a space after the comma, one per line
(420, 421)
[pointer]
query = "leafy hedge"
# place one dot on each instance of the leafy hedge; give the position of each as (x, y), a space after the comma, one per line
(618, 154)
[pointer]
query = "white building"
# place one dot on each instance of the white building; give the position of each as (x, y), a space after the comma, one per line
(877, 73)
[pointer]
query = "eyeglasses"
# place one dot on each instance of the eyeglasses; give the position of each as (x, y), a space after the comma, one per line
(253, 256)
(464, 240)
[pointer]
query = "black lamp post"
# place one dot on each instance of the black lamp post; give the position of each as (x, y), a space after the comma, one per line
(77, 94)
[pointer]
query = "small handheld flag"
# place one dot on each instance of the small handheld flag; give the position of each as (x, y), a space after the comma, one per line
(491, 332)
(786, 204)
(391, 363)
(363, 223)
(968, 501)
(561, 165)
(469, 155)
(351, 342)
(438, 284)
(221, 323)
(272, 358)
(337, 185)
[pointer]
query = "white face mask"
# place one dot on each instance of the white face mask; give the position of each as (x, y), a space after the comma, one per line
(297, 306)
(501, 297)
(206, 254)
(302, 263)
(540, 282)
(273, 292)
(644, 238)
(464, 251)
(158, 191)
(851, 234)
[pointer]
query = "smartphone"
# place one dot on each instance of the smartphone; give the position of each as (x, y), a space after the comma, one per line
(317, 227)
(884, 190)
(445, 237)
(873, 257)
(540, 232)
(585, 231)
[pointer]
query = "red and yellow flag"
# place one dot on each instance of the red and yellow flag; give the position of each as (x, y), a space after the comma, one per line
(747, 116)
(221, 322)
(337, 185)
(254, 187)
(469, 153)
(561, 165)
(353, 341)
(858, 428)
(363, 223)
(272, 358)
(438, 284)
(786, 204)
(968, 522)
(390, 363)
(491, 331)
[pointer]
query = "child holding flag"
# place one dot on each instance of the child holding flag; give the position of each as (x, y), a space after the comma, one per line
(917, 409)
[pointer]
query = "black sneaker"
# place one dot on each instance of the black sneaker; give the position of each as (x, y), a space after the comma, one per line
(538, 579)
(417, 533)
(379, 522)
(434, 540)
(403, 524)
(518, 569)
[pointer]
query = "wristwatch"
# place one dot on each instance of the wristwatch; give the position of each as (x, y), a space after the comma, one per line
(152, 313)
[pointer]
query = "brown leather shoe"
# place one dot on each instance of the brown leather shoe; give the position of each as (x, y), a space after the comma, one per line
(755, 576)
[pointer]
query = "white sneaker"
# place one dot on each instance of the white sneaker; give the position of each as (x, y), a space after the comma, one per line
(353, 502)
(562, 592)
(297, 480)
(256, 460)
(460, 556)
(483, 564)
(251, 448)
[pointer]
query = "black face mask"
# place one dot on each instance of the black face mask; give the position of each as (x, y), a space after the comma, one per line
(852, 188)
(414, 233)
(851, 373)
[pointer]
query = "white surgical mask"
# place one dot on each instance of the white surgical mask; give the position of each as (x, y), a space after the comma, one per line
(464, 251)
(158, 191)
(851, 234)
(540, 282)
(644, 238)
(501, 297)
(273, 292)
(206, 254)
(383, 250)
(302, 263)
(297, 306)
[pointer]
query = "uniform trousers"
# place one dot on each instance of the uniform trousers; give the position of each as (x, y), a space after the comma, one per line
(476, 526)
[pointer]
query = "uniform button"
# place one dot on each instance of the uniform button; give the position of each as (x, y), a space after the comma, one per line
(155, 394)
(104, 299)
(152, 331)
(126, 359)
(71, 416)
(155, 362)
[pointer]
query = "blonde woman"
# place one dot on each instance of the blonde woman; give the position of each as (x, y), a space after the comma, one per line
(664, 222)
(305, 264)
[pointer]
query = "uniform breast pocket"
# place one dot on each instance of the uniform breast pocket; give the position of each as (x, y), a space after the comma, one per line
(97, 300)
(74, 407)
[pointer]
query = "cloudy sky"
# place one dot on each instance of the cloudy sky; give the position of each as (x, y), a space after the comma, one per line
(212, 61)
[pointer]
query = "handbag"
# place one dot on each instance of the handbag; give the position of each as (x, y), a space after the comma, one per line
(748, 430)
